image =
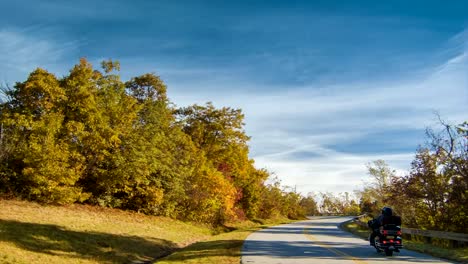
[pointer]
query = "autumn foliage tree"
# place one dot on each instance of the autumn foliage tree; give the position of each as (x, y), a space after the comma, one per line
(436, 189)
(434, 194)
(90, 137)
(219, 135)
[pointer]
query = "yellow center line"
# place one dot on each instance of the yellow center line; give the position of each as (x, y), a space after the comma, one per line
(333, 250)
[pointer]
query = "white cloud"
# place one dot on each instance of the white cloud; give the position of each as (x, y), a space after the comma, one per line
(293, 129)
(421, 96)
(334, 171)
(24, 50)
(305, 120)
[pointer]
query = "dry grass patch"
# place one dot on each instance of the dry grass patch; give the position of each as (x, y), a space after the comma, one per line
(223, 248)
(31, 233)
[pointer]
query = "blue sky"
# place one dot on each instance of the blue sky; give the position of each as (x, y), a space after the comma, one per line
(326, 86)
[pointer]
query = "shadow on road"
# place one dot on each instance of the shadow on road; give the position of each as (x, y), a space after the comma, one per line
(316, 250)
(309, 227)
(326, 241)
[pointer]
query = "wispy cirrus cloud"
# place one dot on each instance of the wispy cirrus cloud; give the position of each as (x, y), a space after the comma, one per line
(325, 87)
(26, 49)
(320, 138)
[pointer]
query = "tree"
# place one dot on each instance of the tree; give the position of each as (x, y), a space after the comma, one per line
(251, 200)
(376, 193)
(277, 201)
(90, 137)
(434, 194)
(157, 150)
(219, 134)
(338, 204)
(42, 167)
(309, 205)
(210, 196)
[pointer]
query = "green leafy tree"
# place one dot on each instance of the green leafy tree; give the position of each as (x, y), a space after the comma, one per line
(42, 167)
(377, 191)
(272, 200)
(309, 205)
(252, 188)
(90, 137)
(165, 154)
(219, 134)
(434, 194)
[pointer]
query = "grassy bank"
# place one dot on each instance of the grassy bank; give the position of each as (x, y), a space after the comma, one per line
(32, 233)
(456, 254)
(224, 248)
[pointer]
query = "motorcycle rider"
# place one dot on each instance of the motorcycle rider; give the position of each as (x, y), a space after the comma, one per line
(384, 217)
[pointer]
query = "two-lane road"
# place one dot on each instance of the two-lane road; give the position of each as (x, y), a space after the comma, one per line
(319, 240)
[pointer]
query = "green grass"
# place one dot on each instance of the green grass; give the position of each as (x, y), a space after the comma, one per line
(33, 233)
(224, 248)
(456, 254)
(355, 229)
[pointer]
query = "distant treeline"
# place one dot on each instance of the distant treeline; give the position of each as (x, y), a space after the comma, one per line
(89, 137)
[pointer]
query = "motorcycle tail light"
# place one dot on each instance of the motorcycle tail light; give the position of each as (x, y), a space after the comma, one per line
(398, 242)
(398, 233)
(385, 242)
(385, 232)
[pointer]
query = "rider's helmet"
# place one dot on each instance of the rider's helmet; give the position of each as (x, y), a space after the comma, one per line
(387, 211)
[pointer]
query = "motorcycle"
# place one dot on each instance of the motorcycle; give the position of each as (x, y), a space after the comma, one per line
(388, 238)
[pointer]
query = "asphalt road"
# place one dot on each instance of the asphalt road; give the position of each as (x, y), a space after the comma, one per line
(319, 240)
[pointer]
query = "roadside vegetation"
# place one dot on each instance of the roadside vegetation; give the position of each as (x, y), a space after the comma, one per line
(90, 138)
